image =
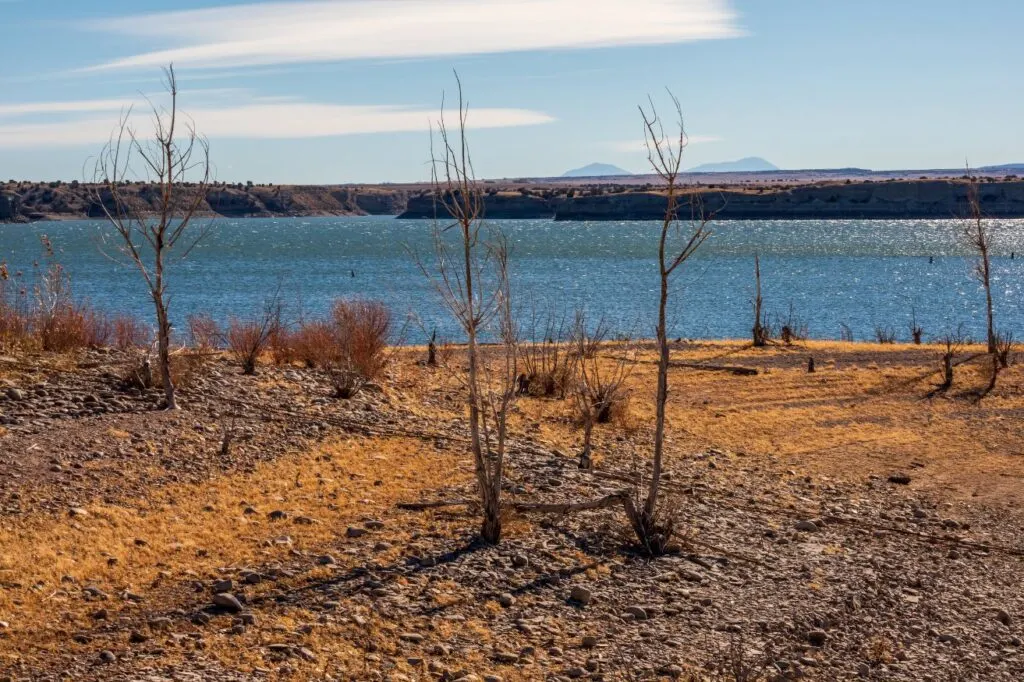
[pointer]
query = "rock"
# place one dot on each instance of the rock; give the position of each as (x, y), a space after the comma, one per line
(520, 561)
(227, 601)
(899, 479)
(949, 638)
(691, 576)
(222, 586)
(305, 654)
(373, 524)
(107, 657)
(817, 638)
(1004, 617)
(326, 560)
(78, 513)
(673, 671)
(807, 526)
(354, 532)
(576, 672)
(506, 600)
(636, 612)
(137, 637)
(277, 515)
(588, 642)
(16, 394)
(411, 637)
(580, 595)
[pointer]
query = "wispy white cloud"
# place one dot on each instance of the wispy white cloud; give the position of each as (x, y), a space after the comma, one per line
(638, 145)
(261, 118)
(334, 30)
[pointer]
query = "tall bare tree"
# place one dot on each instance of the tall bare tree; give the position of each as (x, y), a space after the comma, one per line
(678, 241)
(975, 234)
(471, 275)
(175, 160)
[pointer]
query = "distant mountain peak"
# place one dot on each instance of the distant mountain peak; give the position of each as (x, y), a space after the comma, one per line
(596, 170)
(750, 164)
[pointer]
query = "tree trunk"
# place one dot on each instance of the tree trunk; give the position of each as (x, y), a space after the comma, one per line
(491, 529)
(759, 336)
(947, 371)
(588, 429)
(651, 504)
(163, 332)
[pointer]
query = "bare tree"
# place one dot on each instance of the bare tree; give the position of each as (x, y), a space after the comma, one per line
(916, 331)
(760, 331)
(675, 247)
(471, 276)
(975, 234)
(953, 343)
(176, 160)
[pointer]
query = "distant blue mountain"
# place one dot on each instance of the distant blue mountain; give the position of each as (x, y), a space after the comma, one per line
(596, 170)
(751, 164)
(1008, 167)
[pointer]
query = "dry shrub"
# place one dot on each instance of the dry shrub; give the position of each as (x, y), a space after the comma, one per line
(547, 362)
(15, 322)
(363, 329)
(248, 340)
(314, 344)
(69, 327)
(128, 332)
(885, 335)
(204, 332)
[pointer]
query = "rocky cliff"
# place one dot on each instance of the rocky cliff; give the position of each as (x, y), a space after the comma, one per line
(23, 202)
(933, 198)
(899, 199)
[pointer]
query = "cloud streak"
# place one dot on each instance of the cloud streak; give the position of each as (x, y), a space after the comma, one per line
(258, 119)
(336, 30)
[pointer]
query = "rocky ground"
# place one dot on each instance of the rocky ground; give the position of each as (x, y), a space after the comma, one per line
(224, 568)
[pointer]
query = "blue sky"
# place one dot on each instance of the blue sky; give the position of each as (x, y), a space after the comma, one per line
(344, 90)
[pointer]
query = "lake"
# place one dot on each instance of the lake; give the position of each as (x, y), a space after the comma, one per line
(830, 272)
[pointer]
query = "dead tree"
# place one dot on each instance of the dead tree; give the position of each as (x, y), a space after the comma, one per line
(175, 160)
(760, 328)
(471, 276)
(916, 331)
(676, 245)
(975, 235)
(952, 342)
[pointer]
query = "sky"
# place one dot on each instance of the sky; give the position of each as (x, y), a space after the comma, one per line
(337, 91)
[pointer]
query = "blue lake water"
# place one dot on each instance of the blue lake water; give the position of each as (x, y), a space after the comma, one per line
(858, 273)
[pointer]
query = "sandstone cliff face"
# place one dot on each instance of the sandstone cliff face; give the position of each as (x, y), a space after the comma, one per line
(898, 199)
(903, 199)
(496, 206)
(907, 199)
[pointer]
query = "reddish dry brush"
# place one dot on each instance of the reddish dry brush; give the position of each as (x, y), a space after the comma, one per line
(248, 340)
(363, 331)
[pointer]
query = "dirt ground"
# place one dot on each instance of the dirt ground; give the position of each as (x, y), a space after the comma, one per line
(135, 545)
